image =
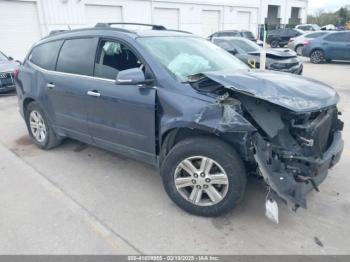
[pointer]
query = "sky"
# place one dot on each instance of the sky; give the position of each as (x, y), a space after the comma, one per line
(329, 5)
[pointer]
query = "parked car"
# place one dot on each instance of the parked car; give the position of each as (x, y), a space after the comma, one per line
(249, 52)
(183, 104)
(297, 43)
(331, 46)
(329, 27)
(7, 70)
(234, 33)
(308, 27)
(280, 37)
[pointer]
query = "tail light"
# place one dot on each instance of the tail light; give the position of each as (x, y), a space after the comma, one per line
(15, 73)
(306, 42)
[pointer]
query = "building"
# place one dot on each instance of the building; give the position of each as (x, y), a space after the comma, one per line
(23, 22)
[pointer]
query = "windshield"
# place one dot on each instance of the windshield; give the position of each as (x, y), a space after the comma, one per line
(186, 56)
(3, 57)
(248, 34)
(244, 46)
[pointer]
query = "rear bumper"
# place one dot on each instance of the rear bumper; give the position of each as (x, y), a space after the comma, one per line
(285, 184)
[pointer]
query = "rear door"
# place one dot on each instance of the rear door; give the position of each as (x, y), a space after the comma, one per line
(67, 87)
(121, 117)
(336, 46)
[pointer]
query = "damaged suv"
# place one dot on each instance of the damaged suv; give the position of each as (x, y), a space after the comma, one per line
(185, 105)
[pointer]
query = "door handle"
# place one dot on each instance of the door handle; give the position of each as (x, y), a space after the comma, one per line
(94, 93)
(50, 85)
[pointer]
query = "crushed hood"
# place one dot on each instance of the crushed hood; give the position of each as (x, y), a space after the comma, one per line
(296, 93)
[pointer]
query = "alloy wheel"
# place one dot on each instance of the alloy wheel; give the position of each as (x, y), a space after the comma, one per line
(317, 57)
(37, 126)
(201, 181)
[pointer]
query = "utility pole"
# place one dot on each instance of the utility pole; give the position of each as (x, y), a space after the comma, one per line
(263, 51)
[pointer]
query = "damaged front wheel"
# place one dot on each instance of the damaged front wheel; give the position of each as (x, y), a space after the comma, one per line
(204, 176)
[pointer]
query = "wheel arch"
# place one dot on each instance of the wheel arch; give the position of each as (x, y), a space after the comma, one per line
(239, 141)
(26, 102)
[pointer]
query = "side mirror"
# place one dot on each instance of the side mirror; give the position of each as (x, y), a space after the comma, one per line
(10, 58)
(133, 76)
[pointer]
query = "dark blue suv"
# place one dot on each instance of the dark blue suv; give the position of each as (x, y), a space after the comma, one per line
(180, 103)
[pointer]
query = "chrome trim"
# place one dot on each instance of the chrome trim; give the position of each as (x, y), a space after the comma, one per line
(76, 75)
(93, 93)
(124, 80)
(69, 74)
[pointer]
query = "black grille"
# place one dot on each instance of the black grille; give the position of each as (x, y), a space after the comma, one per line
(6, 80)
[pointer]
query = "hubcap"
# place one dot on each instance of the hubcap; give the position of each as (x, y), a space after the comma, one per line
(201, 181)
(37, 126)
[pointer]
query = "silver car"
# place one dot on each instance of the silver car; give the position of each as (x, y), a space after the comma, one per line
(7, 70)
(297, 43)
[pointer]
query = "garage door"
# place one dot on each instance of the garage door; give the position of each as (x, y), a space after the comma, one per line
(19, 27)
(210, 22)
(102, 14)
(243, 19)
(168, 17)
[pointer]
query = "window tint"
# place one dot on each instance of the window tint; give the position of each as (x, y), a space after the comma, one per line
(315, 35)
(45, 55)
(113, 57)
(305, 28)
(77, 56)
(338, 37)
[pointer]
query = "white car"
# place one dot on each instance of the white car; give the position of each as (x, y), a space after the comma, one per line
(308, 27)
(297, 43)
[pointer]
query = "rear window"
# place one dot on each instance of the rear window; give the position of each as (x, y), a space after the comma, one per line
(248, 34)
(315, 35)
(77, 56)
(45, 55)
(232, 33)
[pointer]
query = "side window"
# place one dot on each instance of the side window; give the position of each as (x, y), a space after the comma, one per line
(77, 56)
(314, 35)
(45, 55)
(338, 37)
(113, 57)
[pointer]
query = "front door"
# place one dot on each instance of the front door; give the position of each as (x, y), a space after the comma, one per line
(336, 46)
(121, 117)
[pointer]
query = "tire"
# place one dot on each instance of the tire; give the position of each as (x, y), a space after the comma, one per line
(274, 43)
(225, 162)
(317, 56)
(299, 49)
(46, 139)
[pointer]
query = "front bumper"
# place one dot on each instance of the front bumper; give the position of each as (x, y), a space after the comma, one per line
(298, 69)
(285, 184)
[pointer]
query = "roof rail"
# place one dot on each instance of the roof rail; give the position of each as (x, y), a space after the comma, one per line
(53, 32)
(154, 27)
